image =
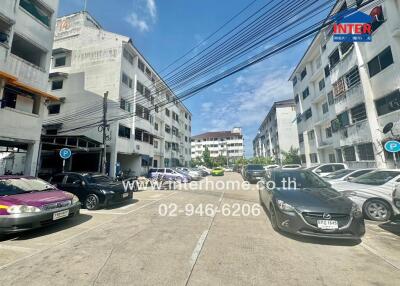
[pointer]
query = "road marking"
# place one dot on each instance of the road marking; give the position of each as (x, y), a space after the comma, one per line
(373, 251)
(76, 235)
(197, 249)
(16, 248)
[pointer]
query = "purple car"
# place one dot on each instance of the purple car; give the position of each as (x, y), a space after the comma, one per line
(168, 174)
(27, 203)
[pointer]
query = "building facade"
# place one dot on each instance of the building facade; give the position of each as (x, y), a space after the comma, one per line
(229, 144)
(275, 135)
(148, 125)
(26, 39)
(347, 92)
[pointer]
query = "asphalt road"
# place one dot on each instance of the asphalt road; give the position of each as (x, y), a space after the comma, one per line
(160, 239)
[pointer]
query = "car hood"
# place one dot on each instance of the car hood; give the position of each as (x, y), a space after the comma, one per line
(117, 187)
(316, 200)
(37, 199)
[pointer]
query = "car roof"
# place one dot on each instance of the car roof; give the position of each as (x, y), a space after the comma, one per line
(16, 177)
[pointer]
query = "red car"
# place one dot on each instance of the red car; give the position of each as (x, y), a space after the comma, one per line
(28, 202)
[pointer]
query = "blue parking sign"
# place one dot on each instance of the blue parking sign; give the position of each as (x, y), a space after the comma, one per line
(65, 153)
(392, 146)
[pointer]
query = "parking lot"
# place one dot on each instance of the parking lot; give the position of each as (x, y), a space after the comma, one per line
(158, 240)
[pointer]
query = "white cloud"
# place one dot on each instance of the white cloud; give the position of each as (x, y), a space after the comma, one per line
(136, 22)
(144, 14)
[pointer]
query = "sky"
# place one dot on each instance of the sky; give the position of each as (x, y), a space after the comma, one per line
(164, 30)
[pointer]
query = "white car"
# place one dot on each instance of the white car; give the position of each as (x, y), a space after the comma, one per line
(346, 175)
(228, 169)
(291, 166)
(325, 169)
(374, 193)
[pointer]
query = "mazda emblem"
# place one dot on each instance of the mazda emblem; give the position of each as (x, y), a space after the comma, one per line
(326, 216)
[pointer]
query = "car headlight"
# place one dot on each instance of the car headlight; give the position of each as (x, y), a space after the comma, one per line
(356, 211)
(284, 206)
(75, 200)
(107, 192)
(20, 209)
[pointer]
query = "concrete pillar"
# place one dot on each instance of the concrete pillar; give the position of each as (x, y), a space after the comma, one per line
(31, 158)
(113, 162)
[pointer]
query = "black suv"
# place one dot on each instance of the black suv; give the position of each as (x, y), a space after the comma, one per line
(253, 173)
(93, 190)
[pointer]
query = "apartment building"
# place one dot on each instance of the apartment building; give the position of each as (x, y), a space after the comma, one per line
(275, 135)
(228, 144)
(345, 93)
(88, 62)
(26, 39)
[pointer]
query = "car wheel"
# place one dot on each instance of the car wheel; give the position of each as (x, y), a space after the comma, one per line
(377, 210)
(273, 218)
(92, 202)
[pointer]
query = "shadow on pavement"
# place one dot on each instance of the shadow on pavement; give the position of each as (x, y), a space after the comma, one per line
(118, 205)
(58, 226)
(392, 227)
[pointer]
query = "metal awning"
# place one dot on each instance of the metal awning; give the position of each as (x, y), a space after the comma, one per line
(60, 51)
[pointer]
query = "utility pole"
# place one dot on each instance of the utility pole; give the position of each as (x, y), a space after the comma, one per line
(104, 129)
(84, 5)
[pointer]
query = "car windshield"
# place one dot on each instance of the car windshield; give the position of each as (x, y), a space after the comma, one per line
(23, 185)
(255, 167)
(98, 179)
(339, 174)
(297, 179)
(376, 178)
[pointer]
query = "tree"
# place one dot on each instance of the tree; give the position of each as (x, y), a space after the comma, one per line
(207, 158)
(291, 157)
(196, 162)
(262, 160)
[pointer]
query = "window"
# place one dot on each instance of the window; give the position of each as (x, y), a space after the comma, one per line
(73, 179)
(124, 131)
(334, 58)
(353, 77)
(306, 93)
(57, 179)
(296, 98)
(125, 105)
(57, 84)
(54, 108)
(167, 129)
(294, 80)
(303, 158)
(330, 98)
(327, 71)
(148, 71)
(60, 61)
(325, 108)
(339, 155)
(313, 158)
(345, 47)
(37, 10)
(156, 126)
(139, 87)
(358, 113)
(167, 112)
(332, 158)
(301, 138)
(142, 112)
(298, 118)
(389, 103)
(138, 134)
(303, 74)
(126, 80)
(147, 93)
(321, 84)
(378, 18)
(349, 153)
(308, 113)
(128, 56)
(380, 62)
(339, 87)
(141, 65)
(366, 152)
(311, 135)
(344, 119)
(155, 144)
(26, 50)
(175, 116)
(328, 132)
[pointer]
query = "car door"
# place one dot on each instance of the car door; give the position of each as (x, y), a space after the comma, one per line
(263, 188)
(58, 181)
(73, 184)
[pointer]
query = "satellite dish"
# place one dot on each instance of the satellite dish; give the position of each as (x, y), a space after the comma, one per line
(388, 127)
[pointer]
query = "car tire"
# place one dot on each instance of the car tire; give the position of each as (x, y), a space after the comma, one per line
(377, 210)
(92, 202)
(272, 218)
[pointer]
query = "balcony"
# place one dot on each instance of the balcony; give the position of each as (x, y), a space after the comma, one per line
(354, 134)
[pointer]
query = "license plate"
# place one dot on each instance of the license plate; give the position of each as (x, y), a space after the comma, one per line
(327, 224)
(61, 214)
(125, 195)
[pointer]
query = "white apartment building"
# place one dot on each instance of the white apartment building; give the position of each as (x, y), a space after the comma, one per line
(275, 135)
(228, 144)
(89, 61)
(346, 93)
(26, 39)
